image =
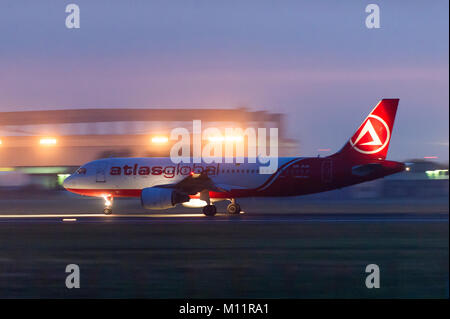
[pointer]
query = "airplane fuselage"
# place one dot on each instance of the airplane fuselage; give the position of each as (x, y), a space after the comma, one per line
(126, 177)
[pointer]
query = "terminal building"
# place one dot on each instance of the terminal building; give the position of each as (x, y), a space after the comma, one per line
(73, 137)
(45, 144)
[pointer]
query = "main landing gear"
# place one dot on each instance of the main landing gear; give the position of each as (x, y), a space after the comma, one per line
(108, 205)
(211, 210)
(233, 209)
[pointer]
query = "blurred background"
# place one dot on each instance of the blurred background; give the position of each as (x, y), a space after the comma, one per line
(134, 70)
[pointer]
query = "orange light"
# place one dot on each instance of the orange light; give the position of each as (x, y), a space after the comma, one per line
(48, 141)
(233, 138)
(1, 142)
(219, 139)
(194, 203)
(216, 139)
(108, 201)
(159, 139)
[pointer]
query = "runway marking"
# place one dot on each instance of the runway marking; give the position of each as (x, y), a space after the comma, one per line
(224, 218)
(99, 215)
(51, 215)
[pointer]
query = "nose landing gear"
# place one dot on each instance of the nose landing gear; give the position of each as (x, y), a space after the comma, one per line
(208, 210)
(108, 205)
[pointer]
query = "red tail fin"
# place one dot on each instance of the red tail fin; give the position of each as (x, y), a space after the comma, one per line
(371, 139)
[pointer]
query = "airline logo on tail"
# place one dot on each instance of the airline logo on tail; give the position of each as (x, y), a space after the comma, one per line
(371, 139)
(372, 136)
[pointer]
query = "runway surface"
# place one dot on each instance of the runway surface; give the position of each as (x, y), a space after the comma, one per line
(225, 218)
(278, 254)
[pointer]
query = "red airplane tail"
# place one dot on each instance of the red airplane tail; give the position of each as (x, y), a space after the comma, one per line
(371, 140)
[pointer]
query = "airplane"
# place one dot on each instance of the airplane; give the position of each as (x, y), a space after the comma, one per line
(161, 184)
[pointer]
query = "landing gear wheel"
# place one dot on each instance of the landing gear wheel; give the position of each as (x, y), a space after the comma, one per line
(107, 210)
(209, 210)
(233, 209)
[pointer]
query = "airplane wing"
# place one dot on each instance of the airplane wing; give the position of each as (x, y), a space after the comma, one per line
(196, 183)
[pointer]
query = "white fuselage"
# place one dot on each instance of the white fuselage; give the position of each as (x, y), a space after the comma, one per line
(133, 174)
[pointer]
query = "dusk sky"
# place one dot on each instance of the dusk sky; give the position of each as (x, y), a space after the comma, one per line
(315, 61)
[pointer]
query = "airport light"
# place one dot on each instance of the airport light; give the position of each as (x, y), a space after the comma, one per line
(216, 139)
(220, 139)
(48, 141)
(61, 178)
(107, 198)
(160, 139)
(437, 174)
(233, 138)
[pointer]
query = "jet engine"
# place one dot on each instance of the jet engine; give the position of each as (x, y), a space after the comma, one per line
(161, 198)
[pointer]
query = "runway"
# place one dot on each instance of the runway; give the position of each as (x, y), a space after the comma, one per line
(257, 254)
(225, 218)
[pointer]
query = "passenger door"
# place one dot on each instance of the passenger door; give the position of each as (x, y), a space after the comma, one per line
(327, 171)
(100, 174)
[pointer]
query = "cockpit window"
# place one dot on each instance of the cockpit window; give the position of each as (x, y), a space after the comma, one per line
(81, 171)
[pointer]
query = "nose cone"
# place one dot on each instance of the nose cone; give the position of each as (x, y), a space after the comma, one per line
(68, 182)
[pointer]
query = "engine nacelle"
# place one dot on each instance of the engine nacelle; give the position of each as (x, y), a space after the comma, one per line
(161, 198)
